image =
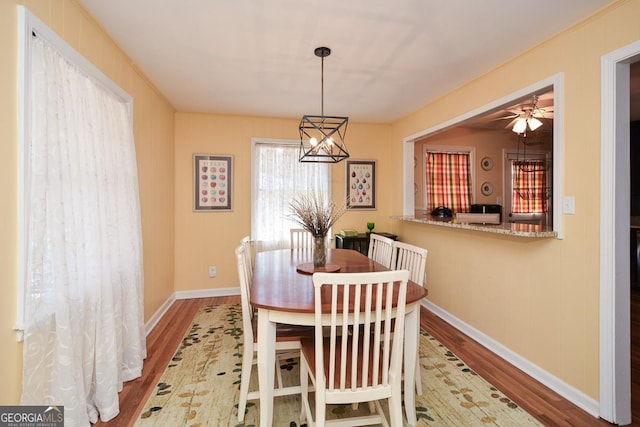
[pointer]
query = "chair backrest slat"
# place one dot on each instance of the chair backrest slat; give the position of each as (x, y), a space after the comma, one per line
(245, 291)
(301, 239)
(412, 258)
(248, 257)
(362, 308)
(380, 249)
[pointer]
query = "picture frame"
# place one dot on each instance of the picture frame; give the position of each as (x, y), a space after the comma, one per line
(361, 184)
(212, 183)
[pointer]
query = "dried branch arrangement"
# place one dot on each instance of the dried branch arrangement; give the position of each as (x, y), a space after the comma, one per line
(315, 213)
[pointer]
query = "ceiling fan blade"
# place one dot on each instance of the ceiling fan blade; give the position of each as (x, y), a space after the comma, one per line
(544, 113)
(509, 117)
(511, 123)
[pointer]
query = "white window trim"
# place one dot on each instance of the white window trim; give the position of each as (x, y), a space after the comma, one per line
(29, 24)
(556, 82)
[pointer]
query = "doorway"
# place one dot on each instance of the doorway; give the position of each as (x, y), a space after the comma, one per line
(634, 167)
(615, 378)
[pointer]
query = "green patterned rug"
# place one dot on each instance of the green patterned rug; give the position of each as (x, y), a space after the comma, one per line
(200, 386)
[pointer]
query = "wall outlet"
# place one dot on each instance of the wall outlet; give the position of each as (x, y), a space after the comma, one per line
(213, 271)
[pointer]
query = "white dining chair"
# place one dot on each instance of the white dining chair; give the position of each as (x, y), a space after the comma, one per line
(410, 257)
(287, 339)
(246, 243)
(414, 259)
(301, 238)
(349, 364)
(380, 249)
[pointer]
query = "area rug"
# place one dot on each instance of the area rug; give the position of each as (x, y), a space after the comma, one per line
(201, 384)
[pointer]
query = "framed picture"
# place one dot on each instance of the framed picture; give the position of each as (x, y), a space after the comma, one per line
(213, 182)
(361, 184)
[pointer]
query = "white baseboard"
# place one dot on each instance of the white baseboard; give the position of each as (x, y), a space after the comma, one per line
(153, 321)
(202, 293)
(567, 391)
(206, 293)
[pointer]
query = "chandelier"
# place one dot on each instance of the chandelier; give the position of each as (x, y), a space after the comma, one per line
(322, 137)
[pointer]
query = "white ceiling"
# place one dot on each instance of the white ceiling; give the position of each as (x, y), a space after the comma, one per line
(255, 57)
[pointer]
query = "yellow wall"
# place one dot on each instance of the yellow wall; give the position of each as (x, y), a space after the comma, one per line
(154, 133)
(209, 238)
(539, 298)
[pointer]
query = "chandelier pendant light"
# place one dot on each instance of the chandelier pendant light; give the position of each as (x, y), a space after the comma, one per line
(322, 137)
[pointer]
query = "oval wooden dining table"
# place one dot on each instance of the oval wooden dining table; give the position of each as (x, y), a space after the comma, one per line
(282, 294)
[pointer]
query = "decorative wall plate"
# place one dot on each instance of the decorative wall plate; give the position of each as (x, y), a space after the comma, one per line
(486, 163)
(486, 188)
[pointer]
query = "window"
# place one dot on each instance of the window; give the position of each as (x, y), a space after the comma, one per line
(528, 187)
(81, 269)
(278, 176)
(448, 179)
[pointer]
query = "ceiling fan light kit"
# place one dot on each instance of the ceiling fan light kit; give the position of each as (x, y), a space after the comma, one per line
(527, 118)
(520, 125)
(322, 137)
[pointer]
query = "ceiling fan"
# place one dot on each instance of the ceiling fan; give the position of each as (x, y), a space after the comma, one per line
(527, 115)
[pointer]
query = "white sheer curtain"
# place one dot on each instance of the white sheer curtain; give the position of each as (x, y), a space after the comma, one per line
(84, 328)
(278, 178)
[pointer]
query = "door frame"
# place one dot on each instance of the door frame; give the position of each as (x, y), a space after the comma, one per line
(615, 363)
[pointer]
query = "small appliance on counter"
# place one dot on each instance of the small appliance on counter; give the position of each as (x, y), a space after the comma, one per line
(487, 209)
(442, 213)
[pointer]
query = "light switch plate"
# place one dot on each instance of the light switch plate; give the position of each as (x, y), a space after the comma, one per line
(569, 205)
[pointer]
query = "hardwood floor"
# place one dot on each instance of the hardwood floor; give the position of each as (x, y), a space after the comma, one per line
(162, 343)
(548, 407)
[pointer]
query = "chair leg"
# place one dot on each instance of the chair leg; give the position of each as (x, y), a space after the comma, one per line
(380, 412)
(304, 389)
(395, 409)
(418, 377)
(321, 408)
(245, 377)
(278, 371)
(320, 413)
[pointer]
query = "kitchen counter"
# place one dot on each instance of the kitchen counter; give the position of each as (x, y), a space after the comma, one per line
(505, 228)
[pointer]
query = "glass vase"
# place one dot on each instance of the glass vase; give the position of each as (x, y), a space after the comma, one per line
(319, 251)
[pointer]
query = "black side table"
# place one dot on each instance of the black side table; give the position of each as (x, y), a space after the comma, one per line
(358, 243)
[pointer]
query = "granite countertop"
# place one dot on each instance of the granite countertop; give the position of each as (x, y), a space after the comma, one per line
(505, 228)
